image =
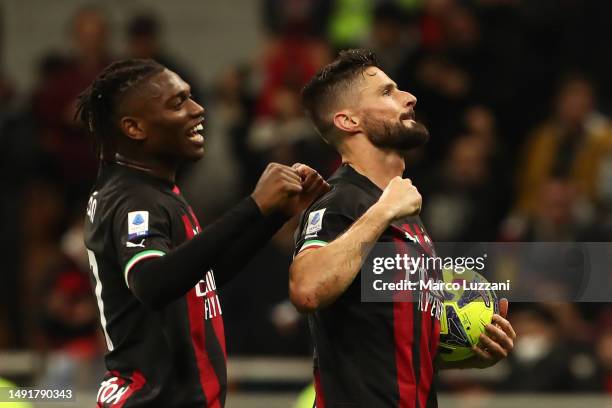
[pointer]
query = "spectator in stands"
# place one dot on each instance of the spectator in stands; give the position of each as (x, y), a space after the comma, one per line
(572, 144)
(287, 135)
(603, 349)
(144, 33)
(308, 17)
(467, 194)
(11, 153)
(394, 38)
(54, 100)
(557, 215)
(542, 361)
(288, 60)
(67, 316)
(460, 195)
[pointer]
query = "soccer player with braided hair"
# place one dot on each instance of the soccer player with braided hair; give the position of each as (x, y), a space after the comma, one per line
(154, 269)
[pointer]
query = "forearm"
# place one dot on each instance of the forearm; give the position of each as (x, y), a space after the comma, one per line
(242, 250)
(317, 279)
(158, 281)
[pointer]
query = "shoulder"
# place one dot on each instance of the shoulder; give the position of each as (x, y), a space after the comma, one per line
(120, 197)
(332, 213)
(342, 199)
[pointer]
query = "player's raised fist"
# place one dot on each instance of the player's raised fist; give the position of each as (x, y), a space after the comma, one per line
(313, 186)
(400, 198)
(277, 184)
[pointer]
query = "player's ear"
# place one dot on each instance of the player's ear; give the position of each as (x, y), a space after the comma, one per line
(132, 128)
(346, 121)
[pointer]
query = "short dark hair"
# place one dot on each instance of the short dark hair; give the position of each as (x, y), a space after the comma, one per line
(321, 93)
(97, 105)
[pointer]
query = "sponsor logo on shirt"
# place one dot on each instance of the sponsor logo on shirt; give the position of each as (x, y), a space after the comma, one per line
(138, 224)
(207, 289)
(112, 391)
(315, 222)
(134, 245)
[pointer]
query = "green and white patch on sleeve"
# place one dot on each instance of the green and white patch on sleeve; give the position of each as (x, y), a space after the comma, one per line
(313, 243)
(151, 253)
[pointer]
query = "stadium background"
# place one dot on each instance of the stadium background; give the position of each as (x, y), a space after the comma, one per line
(516, 94)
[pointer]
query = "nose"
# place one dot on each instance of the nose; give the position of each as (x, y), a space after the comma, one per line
(411, 100)
(197, 109)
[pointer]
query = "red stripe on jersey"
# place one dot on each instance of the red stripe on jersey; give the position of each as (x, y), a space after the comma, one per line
(403, 321)
(138, 381)
(195, 306)
(319, 398)
(216, 323)
(195, 219)
(426, 367)
(208, 377)
(176, 190)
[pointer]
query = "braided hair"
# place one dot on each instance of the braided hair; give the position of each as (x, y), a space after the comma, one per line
(97, 105)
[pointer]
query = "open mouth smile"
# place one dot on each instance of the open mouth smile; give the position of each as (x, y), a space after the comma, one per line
(195, 135)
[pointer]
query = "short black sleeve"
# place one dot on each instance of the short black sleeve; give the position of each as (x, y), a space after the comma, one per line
(141, 230)
(324, 221)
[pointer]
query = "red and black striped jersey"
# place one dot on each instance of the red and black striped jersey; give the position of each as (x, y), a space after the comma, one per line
(369, 354)
(173, 356)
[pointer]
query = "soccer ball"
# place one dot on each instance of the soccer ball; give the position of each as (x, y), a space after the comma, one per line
(465, 315)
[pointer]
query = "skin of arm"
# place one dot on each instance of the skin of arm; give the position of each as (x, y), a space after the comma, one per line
(317, 277)
(336, 264)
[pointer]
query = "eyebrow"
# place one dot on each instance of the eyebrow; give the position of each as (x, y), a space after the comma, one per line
(388, 85)
(181, 94)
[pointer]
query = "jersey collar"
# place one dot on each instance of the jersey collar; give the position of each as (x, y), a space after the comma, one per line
(114, 167)
(348, 173)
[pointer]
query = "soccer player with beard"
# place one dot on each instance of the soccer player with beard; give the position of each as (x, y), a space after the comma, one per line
(155, 271)
(369, 354)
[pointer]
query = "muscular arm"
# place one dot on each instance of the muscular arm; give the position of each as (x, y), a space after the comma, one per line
(317, 277)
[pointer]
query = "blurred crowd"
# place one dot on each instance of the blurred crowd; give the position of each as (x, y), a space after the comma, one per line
(516, 95)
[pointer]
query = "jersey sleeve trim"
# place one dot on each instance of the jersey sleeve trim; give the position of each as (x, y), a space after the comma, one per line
(312, 243)
(152, 253)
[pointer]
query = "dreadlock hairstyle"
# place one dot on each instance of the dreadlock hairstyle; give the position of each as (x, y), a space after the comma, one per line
(96, 106)
(319, 96)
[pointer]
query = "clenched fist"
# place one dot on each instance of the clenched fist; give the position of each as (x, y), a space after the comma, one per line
(313, 187)
(275, 188)
(400, 199)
